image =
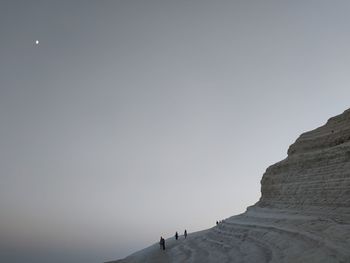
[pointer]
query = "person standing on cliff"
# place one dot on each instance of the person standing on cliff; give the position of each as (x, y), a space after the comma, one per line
(176, 235)
(162, 243)
(185, 233)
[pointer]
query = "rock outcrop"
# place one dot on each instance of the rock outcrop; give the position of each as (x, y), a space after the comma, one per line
(303, 214)
(316, 173)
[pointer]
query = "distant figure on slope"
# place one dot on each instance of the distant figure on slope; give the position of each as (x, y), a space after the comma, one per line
(185, 233)
(176, 235)
(217, 222)
(162, 243)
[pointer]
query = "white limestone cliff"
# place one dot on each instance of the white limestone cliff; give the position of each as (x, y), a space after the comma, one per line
(303, 214)
(316, 173)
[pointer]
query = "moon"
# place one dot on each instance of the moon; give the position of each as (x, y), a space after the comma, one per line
(36, 42)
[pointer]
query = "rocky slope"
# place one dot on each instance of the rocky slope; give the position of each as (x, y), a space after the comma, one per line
(303, 214)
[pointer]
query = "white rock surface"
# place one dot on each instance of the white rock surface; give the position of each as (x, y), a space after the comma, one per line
(316, 173)
(303, 214)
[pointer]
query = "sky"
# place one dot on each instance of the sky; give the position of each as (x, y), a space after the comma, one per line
(135, 119)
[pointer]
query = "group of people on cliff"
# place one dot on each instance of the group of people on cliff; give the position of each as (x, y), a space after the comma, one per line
(162, 240)
(219, 222)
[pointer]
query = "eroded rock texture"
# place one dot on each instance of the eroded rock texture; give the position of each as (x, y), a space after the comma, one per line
(316, 173)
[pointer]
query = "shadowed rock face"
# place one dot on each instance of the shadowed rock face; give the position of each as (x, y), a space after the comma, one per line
(316, 173)
(303, 214)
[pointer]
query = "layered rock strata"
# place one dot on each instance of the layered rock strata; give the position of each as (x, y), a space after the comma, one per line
(316, 173)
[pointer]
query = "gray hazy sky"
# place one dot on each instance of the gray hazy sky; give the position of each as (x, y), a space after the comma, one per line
(134, 119)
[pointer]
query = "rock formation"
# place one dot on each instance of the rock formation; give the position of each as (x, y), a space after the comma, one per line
(316, 173)
(303, 214)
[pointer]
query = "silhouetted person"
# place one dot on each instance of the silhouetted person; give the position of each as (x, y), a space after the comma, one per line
(185, 233)
(162, 243)
(176, 235)
(217, 222)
